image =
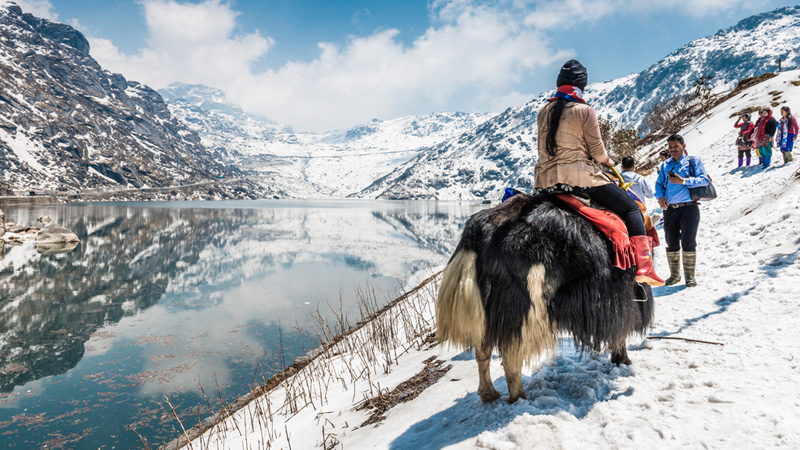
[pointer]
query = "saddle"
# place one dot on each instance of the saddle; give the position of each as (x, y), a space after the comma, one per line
(609, 223)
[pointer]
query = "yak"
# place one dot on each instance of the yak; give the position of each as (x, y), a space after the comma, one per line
(525, 271)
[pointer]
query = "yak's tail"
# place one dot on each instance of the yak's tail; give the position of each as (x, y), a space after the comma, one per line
(460, 317)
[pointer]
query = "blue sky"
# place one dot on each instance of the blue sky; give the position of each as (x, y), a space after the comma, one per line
(321, 65)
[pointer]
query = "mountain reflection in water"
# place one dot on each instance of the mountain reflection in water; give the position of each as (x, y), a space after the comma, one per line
(174, 300)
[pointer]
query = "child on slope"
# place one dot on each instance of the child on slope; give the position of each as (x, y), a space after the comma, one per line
(744, 142)
(786, 133)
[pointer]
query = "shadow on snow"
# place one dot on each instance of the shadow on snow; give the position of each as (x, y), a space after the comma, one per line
(771, 269)
(569, 383)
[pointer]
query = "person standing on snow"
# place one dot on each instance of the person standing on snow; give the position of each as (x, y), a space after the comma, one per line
(681, 213)
(569, 145)
(764, 130)
(744, 142)
(787, 133)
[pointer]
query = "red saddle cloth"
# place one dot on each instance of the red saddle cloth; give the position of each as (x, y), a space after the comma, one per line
(611, 225)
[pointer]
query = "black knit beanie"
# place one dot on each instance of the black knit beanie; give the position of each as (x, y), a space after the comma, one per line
(574, 74)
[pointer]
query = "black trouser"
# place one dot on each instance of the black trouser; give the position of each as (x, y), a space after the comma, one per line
(680, 228)
(744, 152)
(614, 198)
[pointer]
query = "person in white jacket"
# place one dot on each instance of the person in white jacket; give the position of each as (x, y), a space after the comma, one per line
(640, 186)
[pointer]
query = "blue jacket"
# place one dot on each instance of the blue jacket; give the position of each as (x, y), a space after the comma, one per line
(679, 193)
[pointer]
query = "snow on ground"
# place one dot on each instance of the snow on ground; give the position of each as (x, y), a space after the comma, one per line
(738, 389)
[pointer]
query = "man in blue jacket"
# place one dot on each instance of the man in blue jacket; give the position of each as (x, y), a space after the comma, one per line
(681, 213)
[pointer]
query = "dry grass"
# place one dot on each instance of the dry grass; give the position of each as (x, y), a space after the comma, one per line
(405, 391)
(348, 357)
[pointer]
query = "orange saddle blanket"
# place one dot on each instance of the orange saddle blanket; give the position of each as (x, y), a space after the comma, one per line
(611, 225)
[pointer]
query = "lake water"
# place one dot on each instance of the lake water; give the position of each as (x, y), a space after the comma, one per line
(188, 302)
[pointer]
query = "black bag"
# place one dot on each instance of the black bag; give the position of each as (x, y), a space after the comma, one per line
(702, 193)
(743, 143)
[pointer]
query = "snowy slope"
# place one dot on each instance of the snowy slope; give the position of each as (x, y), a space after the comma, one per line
(737, 389)
(498, 154)
(311, 165)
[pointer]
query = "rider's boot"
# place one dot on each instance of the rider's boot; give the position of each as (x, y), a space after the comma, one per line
(643, 247)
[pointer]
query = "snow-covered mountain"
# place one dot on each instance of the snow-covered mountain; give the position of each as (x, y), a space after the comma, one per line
(501, 152)
(332, 164)
(68, 124)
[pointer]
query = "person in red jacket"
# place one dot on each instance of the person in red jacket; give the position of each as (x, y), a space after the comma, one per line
(787, 133)
(766, 126)
(744, 142)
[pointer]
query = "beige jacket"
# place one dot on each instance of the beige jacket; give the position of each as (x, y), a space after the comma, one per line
(578, 143)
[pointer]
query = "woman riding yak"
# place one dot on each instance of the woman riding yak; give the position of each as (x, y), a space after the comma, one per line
(569, 142)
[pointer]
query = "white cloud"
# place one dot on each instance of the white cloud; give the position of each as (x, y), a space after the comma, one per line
(464, 64)
(39, 8)
(193, 43)
(568, 13)
(469, 59)
(475, 56)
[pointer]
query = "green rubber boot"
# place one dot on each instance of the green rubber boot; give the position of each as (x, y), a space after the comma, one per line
(689, 260)
(674, 259)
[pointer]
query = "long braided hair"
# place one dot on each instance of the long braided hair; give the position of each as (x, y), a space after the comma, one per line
(553, 120)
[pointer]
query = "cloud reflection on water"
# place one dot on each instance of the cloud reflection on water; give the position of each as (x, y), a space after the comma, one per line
(161, 298)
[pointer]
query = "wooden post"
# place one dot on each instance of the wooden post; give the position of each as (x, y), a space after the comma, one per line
(779, 63)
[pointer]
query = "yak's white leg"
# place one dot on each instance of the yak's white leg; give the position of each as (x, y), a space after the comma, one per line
(513, 368)
(486, 390)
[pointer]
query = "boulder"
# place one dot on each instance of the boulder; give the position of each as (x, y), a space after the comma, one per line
(17, 229)
(55, 234)
(54, 248)
(44, 219)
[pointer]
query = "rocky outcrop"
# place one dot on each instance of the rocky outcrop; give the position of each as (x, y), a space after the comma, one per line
(51, 240)
(66, 124)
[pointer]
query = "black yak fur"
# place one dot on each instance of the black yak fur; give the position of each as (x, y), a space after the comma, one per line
(526, 270)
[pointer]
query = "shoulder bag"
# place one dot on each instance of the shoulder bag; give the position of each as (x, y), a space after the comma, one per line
(702, 193)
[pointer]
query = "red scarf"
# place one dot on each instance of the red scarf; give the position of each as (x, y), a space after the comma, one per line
(761, 124)
(569, 93)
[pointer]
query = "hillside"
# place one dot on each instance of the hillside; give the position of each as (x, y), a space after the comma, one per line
(66, 124)
(500, 153)
(717, 370)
